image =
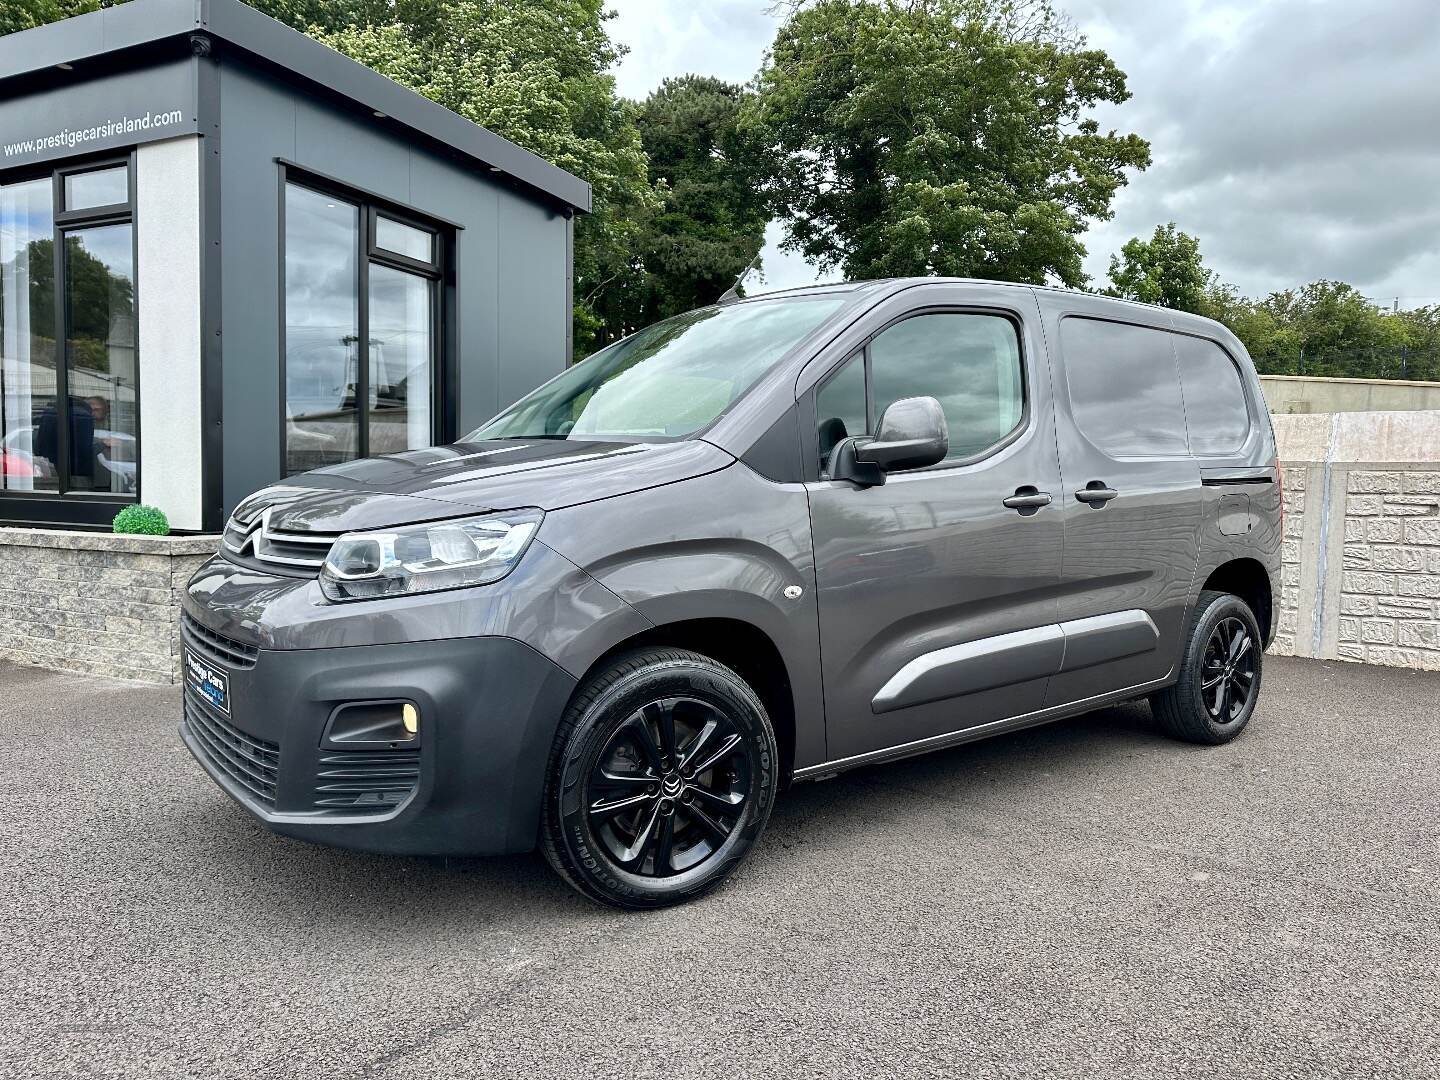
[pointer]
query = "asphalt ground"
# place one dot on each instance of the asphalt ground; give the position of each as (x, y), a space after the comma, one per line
(1087, 899)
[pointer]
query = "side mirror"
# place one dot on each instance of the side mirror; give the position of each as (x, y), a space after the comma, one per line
(912, 434)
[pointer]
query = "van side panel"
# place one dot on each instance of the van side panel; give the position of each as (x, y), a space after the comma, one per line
(1119, 416)
(1247, 473)
(722, 546)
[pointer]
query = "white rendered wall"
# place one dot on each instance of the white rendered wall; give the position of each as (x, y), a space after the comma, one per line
(167, 229)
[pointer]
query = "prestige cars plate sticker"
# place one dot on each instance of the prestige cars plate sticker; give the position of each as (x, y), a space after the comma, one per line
(207, 681)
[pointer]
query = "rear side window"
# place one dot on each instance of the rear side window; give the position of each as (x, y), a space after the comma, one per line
(1124, 393)
(970, 363)
(1215, 408)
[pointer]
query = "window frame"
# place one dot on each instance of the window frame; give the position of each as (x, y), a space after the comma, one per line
(440, 270)
(862, 353)
(65, 506)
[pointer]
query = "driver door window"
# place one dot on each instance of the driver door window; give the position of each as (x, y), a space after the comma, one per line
(968, 362)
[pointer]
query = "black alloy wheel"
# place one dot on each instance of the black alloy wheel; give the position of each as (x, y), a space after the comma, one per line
(661, 778)
(1218, 685)
(1227, 675)
(669, 787)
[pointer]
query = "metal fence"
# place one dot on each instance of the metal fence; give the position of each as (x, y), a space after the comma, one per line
(1420, 365)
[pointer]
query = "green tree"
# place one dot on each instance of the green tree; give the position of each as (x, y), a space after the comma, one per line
(1257, 327)
(17, 15)
(939, 137)
(535, 73)
(711, 223)
(1332, 330)
(1166, 269)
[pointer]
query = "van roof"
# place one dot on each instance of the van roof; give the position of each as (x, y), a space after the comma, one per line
(901, 282)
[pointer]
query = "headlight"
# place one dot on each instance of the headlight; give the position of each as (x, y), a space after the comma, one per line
(427, 558)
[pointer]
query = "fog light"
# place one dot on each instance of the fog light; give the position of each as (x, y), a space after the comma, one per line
(373, 724)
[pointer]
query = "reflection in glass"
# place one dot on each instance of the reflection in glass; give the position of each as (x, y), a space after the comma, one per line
(404, 239)
(27, 335)
(1216, 414)
(667, 380)
(969, 363)
(840, 407)
(100, 361)
(100, 187)
(401, 307)
(1123, 391)
(322, 329)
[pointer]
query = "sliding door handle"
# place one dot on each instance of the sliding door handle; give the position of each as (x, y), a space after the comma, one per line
(1096, 494)
(1027, 500)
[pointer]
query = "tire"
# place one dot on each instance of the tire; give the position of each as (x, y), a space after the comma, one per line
(637, 818)
(1216, 693)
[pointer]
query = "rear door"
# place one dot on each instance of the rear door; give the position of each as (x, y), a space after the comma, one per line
(1131, 495)
(937, 601)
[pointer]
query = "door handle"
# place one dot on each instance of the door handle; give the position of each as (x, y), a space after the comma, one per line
(1027, 499)
(1096, 494)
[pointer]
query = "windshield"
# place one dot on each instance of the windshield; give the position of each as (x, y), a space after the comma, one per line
(668, 380)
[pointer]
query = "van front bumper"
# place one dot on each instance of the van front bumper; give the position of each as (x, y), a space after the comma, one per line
(471, 783)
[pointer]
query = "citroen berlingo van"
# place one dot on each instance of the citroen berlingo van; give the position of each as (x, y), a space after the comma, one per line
(756, 544)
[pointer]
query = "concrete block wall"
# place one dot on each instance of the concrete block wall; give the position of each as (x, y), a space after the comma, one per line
(1361, 573)
(96, 603)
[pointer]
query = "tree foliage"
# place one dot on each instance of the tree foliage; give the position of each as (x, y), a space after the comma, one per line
(939, 137)
(535, 73)
(711, 221)
(1324, 328)
(1166, 270)
(17, 15)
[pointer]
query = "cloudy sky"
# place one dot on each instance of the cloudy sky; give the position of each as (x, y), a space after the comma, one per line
(1298, 139)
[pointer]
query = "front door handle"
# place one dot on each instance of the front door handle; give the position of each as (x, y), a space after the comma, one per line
(1027, 499)
(1096, 494)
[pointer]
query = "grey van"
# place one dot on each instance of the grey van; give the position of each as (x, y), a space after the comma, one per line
(759, 543)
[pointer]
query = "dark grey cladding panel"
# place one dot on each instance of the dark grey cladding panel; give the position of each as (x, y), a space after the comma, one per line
(86, 115)
(97, 39)
(92, 35)
(511, 315)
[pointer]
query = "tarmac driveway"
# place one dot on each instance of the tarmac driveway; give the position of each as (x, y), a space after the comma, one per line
(1087, 900)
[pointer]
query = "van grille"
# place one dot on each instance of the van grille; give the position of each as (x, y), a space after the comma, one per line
(217, 647)
(298, 552)
(252, 763)
(363, 782)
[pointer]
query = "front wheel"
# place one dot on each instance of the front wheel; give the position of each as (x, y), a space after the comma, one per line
(1219, 682)
(661, 779)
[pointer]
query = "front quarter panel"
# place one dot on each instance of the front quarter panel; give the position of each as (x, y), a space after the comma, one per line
(726, 545)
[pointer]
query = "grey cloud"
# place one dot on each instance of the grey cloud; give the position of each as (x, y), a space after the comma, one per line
(1295, 138)
(1295, 144)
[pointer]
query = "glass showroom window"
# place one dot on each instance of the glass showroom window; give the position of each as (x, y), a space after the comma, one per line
(72, 427)
(356, 273)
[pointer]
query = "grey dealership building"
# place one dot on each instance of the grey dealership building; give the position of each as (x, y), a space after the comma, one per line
(228, 254)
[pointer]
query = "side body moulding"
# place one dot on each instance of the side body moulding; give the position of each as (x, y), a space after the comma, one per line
(1006, 659)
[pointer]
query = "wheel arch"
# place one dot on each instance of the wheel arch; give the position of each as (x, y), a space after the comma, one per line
(1249, 580)
(741, 646)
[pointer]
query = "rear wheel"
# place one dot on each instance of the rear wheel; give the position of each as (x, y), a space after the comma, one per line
(661, 779)
(1220, 673)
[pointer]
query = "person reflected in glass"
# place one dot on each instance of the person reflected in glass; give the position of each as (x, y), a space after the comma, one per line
(82, 439)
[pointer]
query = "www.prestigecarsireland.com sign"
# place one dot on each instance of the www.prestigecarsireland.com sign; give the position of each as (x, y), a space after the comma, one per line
(145, 126)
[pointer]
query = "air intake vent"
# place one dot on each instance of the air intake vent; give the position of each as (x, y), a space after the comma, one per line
(364, 782)
(252, 763)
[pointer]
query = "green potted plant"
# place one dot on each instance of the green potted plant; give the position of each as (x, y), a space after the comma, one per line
(145, 520)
